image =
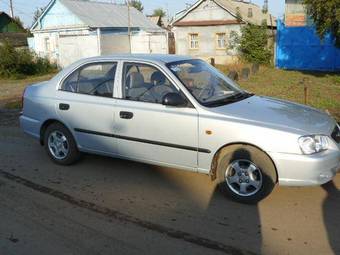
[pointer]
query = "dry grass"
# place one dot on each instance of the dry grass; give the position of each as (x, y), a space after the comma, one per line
(11, 90)
(323, 88)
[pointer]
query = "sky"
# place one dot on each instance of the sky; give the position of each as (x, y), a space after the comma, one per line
(25, 8)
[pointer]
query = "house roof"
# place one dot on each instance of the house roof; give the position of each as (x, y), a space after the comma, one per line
(234, 7)
(105, 15)
(243, 6)
(155, 19)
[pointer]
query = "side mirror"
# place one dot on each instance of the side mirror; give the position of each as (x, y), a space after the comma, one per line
(174, 99)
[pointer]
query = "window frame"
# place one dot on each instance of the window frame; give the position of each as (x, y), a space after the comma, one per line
(84, 65)
(217, 40)
(198, 41)
(157, 67)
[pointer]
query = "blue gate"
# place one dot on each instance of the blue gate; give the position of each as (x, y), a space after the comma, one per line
(300, 48)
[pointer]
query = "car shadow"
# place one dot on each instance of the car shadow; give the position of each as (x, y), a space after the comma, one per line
(331, 216)
(182, 200)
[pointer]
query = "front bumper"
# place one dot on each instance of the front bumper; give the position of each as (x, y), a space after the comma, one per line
(306, 170)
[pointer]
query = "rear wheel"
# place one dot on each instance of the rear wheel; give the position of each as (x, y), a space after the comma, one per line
(60, 144)
(245, 173)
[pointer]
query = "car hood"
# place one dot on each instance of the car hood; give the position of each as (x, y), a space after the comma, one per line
(279, 113)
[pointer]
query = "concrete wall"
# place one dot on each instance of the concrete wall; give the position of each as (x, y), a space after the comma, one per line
(149, 43)
(56, 50)
(73, 48)
(111, 44)
(66, 47)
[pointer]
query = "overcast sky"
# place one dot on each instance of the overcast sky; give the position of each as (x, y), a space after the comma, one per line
(25, 8)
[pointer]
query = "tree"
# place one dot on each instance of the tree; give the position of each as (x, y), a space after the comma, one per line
(159, 12)
(137, 4)
(326, 17)
(252, 44)
(37, 14)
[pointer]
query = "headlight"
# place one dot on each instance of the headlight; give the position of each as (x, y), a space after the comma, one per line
(313, 143)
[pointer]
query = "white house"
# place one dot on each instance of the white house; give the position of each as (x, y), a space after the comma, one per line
(69, 30)
(204, 29)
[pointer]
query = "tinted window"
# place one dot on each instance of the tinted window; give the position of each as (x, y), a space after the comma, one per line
(93, 79)
(145, 83)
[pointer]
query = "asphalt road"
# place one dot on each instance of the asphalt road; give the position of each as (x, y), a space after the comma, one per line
(111, 206)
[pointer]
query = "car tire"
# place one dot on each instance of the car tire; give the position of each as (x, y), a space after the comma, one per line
(245, 174)
(60, 145)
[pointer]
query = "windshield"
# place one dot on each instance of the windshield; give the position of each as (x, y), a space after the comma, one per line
(209, 86)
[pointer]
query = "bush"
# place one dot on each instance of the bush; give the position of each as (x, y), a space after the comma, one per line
(20, 63)
(252, 44)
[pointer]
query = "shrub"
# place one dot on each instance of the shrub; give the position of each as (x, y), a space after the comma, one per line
(15, 63)
(252, 44)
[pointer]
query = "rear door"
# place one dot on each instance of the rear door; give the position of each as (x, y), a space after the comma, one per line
(86, 105)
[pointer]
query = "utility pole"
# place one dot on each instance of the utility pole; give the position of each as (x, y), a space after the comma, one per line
(11, 8)
(129, 24)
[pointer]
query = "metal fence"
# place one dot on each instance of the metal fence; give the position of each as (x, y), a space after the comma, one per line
(300, 48)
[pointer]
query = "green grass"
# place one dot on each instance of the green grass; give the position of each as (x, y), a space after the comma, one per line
(13, 104)
(323, 88)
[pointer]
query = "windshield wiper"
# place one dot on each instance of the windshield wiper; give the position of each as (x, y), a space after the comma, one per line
(231, 99)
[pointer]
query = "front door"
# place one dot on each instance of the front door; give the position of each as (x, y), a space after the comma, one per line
(148, 130)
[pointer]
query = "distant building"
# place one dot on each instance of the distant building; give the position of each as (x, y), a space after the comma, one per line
(159, 21)
(298, 45)
(295, 14)
(12, 31)
(204, 29)
(69, 30)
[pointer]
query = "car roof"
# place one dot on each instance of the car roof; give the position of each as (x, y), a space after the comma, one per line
(165, 58)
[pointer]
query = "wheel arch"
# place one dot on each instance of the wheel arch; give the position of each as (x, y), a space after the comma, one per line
(45, 125)
(213, 168)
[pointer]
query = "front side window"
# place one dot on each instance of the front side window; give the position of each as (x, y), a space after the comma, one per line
(145, 83)
(193, 41)
(93, 79)
(220, 40)
(209, 86)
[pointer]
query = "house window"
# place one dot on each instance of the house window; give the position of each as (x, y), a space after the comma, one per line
(47, 44)
(250, 12)
(221, 40)
(193, 41)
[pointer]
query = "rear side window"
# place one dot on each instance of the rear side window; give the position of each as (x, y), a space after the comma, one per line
(93, 79)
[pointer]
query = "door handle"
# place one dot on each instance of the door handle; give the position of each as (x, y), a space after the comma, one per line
(126, 115)
(64, 107)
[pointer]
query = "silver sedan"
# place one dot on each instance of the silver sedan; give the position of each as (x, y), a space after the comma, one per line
(181, 112)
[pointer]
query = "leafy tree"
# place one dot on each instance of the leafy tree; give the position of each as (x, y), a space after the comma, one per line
(18, 63)
(137, 4)
(326, 17)
(252, 44)
(159, 12)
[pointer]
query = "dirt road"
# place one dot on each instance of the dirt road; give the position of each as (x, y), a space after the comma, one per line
(111, 206)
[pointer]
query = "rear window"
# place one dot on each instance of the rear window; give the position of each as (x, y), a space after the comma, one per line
(92, 79)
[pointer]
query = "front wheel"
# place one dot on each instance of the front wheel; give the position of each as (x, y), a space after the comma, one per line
(60, 144)
(245, 173)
